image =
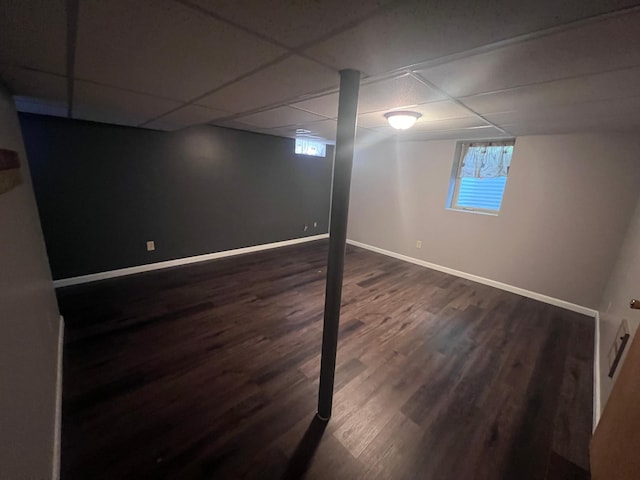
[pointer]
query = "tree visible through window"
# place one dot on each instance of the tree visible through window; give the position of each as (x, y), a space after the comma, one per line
(310, 147)
(480, 175)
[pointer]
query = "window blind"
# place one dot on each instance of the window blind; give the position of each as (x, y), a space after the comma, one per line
(481, 193)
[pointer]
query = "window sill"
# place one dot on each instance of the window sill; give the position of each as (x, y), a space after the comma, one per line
(477, 212)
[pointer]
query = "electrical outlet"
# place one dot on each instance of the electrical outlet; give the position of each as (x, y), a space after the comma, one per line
(418, 243)
(151, 246)
(315, 224)
(306, 227)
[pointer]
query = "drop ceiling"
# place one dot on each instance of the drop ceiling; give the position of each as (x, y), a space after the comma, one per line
(474, 69)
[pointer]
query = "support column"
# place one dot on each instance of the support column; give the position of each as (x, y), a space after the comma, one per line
(345, 139)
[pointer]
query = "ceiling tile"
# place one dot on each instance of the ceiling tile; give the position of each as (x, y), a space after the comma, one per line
(185, 117)
(610, 85)
(395, 93)
(441, 110)
(431, 111)
(470, 125)
(605, 45)
(323, 129)
(279, 117)
(421, 30)
(162, 48)
(579, 113)
(485, 132)
(99, 103)
(292, 23)
(615, 124)
(450, 124)
(381, 95)
(235, 124)
(33, 33)
(372, 120)
(379, 135)
(41, 107)
(326, 105)
(31, 83)
(621, 115)
(283, 81)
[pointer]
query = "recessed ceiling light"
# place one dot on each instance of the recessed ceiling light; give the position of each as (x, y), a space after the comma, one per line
(402, 120)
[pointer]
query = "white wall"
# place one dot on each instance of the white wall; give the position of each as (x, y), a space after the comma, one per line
(623, 285)
(29, 322)
(566, 208)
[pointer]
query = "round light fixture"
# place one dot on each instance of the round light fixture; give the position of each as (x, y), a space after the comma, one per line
(402, 120)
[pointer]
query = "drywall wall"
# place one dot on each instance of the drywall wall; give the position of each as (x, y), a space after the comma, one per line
(104, 191)
(29, 323)
(623, 285)
(566, 207)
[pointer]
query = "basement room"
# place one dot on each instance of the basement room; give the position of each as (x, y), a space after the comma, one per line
(319, 239)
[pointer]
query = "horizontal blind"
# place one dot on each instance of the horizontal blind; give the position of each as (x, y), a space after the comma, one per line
(481, 193)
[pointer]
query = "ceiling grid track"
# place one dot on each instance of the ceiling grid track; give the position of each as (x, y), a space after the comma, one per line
(490, 47)
(426, 82)
(391, 74)
(582, 56)
(309, 96)
(396, 73)
(209, 13)
(220, 87)
(299, 50)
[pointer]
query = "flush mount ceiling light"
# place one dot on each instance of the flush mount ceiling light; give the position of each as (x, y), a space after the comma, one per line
(402, 120)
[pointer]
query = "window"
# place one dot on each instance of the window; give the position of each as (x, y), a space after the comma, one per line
(479, 175)
(310, 147)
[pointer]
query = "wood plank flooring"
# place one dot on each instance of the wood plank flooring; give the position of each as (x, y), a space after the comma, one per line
(210, 371)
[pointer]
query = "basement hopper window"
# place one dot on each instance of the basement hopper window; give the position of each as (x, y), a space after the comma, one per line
(310, 147)
(479, 176)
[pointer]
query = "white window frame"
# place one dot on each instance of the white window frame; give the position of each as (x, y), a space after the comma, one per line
(454, 185)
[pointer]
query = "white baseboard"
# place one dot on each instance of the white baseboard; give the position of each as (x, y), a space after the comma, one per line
(57, 430)
(239, 251)
(597, 406)
(181, 261)
(486, 281)
(525, 293)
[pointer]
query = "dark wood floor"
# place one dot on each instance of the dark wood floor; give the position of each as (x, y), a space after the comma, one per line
(210, 371)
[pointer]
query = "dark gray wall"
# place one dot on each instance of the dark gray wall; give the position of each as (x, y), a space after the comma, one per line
(104, 190)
